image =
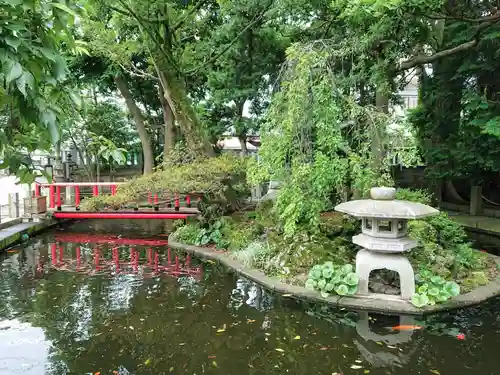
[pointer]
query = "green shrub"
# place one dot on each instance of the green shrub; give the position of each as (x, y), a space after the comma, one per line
(414, 195)
(187, 234)
(443, 248)
(298, 253)
(212, 235)
(329, 278)
(255, 255)
(432, 289)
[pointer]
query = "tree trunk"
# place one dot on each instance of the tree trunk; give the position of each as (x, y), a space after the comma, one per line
(184, 113)
(168, 119)
(243, 142)
(139, 123)
(382, 104)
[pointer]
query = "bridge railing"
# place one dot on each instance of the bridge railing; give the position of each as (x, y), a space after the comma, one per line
(72, 193)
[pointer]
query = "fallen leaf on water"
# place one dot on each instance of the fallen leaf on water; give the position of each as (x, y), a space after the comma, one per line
(391, 347)
(358, 361)
(379, 342)
(279, 350)
(356, 367)
(250, 321)
(435, 372)
(98, 373)
(171, 369)
(287, 295)
(148, 361)
(366, 371)
(323, 348)
(214, 363)
(221, 330)
(212, 356)
(297, 337)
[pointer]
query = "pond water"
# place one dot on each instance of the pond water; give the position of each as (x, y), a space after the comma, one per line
(68, 306)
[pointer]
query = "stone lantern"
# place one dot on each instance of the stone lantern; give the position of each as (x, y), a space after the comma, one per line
(384, 236)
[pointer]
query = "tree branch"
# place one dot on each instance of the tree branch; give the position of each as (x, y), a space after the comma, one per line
(426, 59)
(193, 10)
(214, 58)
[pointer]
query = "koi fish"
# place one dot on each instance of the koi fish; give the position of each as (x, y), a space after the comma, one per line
(406, 328)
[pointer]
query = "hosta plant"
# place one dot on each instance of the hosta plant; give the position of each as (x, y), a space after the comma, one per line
(329, 278)
(432, 289)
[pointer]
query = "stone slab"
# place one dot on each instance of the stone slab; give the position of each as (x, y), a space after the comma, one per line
(384, 245)
(13, 234)
(388, 305)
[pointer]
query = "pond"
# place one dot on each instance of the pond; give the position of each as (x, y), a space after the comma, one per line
(116, 305)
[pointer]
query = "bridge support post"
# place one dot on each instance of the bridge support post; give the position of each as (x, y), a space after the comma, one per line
(59, 205)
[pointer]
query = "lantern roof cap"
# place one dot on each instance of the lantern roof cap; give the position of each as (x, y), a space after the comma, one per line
(383, 205)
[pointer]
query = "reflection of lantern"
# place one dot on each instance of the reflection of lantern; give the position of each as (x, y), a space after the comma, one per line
(49, 170)
(383, 237)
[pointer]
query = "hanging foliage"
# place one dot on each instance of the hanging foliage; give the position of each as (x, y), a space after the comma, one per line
(317, 139)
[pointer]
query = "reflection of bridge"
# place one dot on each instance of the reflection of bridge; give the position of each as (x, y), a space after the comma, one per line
(79, 260)
(64, 200)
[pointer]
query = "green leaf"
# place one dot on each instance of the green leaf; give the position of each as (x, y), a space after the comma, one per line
(21, 84)
(329, 287)
(341, 289)
(352, 289)
(422, 289)
(325, 295)
(48, 53)
(16, 70)
(433, 291)
(13, 42)
(49, 118)
(442, 296)
(438, 280)
(351, 279)
(322, 284)
(452, 288)
(346, 269)
(327, 273)
(59, 69)
(419, 300)
(64, 8)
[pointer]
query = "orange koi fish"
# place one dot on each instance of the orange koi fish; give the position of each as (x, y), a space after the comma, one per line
(406, 328)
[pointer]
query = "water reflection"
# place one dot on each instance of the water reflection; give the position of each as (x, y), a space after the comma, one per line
(111, 310)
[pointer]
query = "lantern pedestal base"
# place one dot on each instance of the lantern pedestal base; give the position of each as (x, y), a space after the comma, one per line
(368, 261)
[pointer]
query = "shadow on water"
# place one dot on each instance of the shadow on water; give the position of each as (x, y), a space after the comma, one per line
(100, 297)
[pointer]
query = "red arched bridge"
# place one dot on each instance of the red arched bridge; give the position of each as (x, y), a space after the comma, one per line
(64, 199)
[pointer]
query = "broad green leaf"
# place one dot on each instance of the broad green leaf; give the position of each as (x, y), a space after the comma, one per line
(49, 118)
(327, 273)
(322, 284)
(64, 8)
(438, 280)
(341, 290)
(452, 288)
(346, 269)
(433, 291)
(16, 70)
(351, 279)
(419, 300)
(21, 84)
(13, 42)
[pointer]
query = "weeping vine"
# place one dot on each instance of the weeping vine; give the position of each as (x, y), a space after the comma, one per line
(317, 140)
